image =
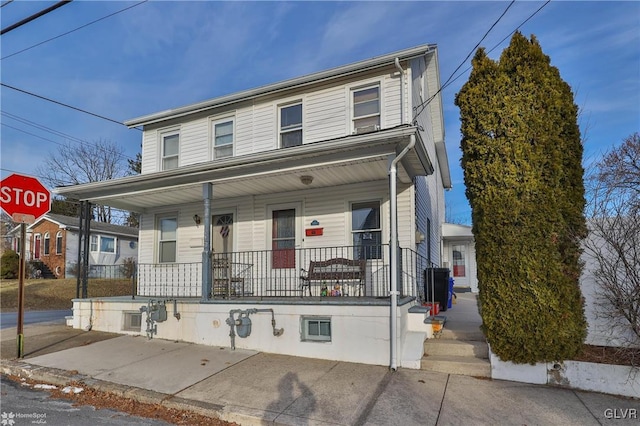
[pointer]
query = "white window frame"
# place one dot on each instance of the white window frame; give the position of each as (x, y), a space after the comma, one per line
(222, 120)
(115, 244)
(160, 241)
(305, 322)
(161, 138)
(352, 92)
(379, 230)
(46, 244)
(59, 239)
(294, 128)
(94, 244)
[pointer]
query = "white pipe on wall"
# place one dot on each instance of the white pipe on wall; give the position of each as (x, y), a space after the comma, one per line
(393, 248)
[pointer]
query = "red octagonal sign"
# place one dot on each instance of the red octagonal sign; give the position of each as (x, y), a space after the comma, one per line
(24, 198)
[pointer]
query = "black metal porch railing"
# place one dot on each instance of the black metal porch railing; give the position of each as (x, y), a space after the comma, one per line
(345, 271)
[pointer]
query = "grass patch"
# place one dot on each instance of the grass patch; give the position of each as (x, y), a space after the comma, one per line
(42, 295)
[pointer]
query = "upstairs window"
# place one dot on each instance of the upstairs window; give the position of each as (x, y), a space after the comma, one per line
(223, 137)
(170, 150)
(291, 125)
(366, 109)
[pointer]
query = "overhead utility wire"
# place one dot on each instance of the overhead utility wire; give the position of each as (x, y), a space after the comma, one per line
(63, 104)
(501, 41)
(34, 16)
(58, 143)
(5, 3)
(76, 29)
(424, 104)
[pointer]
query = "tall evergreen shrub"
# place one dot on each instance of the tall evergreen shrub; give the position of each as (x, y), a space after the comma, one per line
(522, 156)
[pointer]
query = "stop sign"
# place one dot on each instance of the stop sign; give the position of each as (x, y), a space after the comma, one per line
(24, 198)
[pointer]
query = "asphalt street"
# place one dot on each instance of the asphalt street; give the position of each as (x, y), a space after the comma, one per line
(22, 405)
(10, 319)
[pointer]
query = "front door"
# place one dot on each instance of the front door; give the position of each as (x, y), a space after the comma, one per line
(460, 257)
(283, 239)
(222, 238)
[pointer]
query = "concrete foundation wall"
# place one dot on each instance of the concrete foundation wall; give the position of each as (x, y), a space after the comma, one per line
(359, 333)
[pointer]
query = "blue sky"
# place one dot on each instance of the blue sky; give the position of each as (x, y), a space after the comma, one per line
(161, 55)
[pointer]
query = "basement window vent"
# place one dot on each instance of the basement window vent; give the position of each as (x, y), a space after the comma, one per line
(316, 329)
(132, 321)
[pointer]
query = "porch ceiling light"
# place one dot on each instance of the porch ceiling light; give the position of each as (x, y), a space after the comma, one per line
(306, 179)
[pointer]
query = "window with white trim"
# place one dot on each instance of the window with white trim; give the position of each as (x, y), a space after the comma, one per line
(59, 242)
(223, 132)
(47, 242)
(366, 230)
(366, 108)
(107, 244)
(93, 245)
(291, 125)
(170, 142)
(102, 244)
(167, 238)
(316, 329)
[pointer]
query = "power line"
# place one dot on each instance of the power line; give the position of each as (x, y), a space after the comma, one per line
(34, 16)
(424, 104)
(74, 30)
(59, 143)
(50, 130)
(63, 104)
(5, 3)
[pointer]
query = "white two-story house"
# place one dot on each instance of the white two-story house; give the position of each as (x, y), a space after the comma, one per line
(297, 217)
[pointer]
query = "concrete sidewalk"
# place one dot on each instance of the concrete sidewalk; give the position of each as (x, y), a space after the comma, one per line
(253, 388)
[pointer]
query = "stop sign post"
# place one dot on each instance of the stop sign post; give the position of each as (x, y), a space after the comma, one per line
(25, 199)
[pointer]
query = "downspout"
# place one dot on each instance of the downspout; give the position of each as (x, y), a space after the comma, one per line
(207, 194)
(401, 90)
(393, 248)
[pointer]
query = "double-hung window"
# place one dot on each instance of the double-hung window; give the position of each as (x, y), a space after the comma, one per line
(291, 125)
(366, 230)
(167, 238)
(59, 242)
(223, 138)
(47, 243)
(170, 150)
(366, 108)
(94, 243)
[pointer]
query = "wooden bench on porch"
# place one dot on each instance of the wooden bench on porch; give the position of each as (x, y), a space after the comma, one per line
(332, 273)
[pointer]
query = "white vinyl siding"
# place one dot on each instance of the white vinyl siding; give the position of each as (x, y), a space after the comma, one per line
(327, 114)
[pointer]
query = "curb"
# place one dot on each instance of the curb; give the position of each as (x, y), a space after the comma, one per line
(62, 378)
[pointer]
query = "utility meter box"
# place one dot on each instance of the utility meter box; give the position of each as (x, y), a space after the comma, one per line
(158, 313)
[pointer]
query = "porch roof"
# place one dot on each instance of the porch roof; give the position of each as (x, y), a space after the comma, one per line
(351, 159)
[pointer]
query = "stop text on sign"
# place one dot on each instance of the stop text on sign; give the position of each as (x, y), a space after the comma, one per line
(22, 197)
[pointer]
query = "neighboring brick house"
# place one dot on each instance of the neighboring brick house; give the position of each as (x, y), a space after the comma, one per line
(53, 240)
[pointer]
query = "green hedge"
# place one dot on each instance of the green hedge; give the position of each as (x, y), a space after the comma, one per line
(522, 168)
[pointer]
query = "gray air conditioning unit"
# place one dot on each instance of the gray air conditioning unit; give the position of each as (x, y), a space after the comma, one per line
(366, 129)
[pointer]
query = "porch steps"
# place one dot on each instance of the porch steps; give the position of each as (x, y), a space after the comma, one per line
(462, 352)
